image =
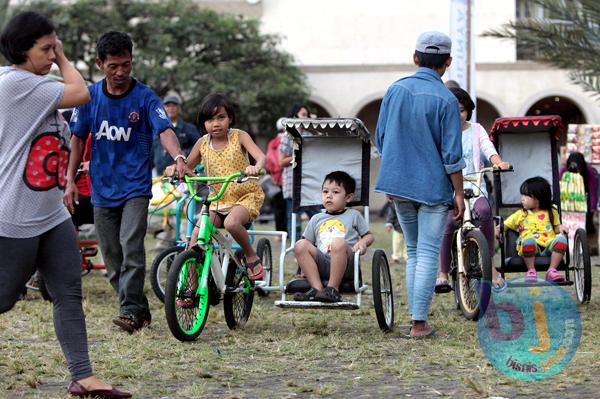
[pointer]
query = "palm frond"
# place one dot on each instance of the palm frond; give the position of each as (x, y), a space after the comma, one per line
(570, 40)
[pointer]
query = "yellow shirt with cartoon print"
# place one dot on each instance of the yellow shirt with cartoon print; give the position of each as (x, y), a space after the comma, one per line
(535, 225)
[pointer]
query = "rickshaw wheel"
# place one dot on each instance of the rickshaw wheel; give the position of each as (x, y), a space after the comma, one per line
(582, 268)
(263, 250)
(383, 296)
(474, 285)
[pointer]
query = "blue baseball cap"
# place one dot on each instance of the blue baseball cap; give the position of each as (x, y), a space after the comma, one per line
(433, 43)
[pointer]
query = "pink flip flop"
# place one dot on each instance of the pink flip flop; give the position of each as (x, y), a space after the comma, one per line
(554, 276)
(531, 275)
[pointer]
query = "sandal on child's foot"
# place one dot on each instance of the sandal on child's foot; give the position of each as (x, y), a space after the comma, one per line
(252, 267)
(307, 296)
(531, 275)
(499, 284)
(328, 294)
(554, 276)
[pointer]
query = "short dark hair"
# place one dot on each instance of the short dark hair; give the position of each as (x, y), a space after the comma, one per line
(114, 43)
(294, 109)
(465, 99)
(538, 188)
(209, 106)
(343, 179)
(432, 61)
(21, 33)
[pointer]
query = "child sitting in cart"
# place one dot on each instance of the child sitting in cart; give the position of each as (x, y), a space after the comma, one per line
(538, 224)
(326, 249)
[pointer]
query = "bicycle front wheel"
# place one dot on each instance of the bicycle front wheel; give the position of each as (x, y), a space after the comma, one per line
(474, 283)
(160, 270)
(187, 297)
(239, 296)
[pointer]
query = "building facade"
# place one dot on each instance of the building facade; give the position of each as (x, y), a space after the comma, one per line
(352, 50)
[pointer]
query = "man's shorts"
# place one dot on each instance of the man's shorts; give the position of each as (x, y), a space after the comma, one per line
(324, 266)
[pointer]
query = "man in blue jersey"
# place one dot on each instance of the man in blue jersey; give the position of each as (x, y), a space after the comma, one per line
(123, 117)
(419, 138)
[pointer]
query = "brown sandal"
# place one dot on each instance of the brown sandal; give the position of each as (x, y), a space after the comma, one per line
(130, 323)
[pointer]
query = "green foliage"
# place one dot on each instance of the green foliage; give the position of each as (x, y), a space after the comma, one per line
(3, 9)
(570, 39)
(192, 51)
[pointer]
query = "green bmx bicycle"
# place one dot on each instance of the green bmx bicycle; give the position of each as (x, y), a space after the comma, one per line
(211, 270)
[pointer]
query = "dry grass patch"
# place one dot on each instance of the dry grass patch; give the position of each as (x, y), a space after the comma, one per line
(280, 353)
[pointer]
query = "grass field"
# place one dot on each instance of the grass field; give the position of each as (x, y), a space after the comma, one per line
(282, 353)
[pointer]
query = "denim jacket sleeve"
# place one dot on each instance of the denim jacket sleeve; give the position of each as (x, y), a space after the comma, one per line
(452, 156)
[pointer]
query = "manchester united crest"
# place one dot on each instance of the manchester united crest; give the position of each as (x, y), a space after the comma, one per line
(133, 117)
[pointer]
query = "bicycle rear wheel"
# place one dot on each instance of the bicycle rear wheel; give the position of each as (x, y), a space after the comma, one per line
(187, 298)
(160, 269)
(239, 296)
(474, 284)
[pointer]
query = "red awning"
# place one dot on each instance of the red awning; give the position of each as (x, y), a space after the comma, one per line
(528, 124)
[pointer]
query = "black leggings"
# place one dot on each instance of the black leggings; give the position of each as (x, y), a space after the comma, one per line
(55, 254)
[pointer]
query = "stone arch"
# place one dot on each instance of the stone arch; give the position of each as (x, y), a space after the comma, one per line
(369, 112)
(321, 107)
(487, 113)
(565, 107)
(556, 102)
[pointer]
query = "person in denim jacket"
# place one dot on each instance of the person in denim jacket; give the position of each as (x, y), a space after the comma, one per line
(419, 138)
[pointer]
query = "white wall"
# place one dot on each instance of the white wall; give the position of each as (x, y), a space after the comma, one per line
(351, 50)
(355, 32)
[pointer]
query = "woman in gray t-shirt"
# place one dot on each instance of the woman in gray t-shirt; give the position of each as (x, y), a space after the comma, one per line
(35, 227)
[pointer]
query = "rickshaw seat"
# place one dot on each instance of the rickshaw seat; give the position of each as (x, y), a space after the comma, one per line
(302, 285)
(515, 263)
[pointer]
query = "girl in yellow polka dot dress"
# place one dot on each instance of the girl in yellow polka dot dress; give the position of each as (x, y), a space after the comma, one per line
(223, 151)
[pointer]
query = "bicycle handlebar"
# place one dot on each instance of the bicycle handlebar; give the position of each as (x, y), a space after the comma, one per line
(477, 176)
(237, 177)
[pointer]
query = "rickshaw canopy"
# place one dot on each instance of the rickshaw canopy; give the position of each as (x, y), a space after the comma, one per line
(324, 145)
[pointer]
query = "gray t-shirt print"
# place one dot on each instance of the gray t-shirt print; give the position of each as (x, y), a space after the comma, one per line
(324, 227)
(34, 154)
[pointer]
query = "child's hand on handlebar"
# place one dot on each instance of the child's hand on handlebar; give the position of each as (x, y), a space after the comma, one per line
(502, 165)
(252, 170)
